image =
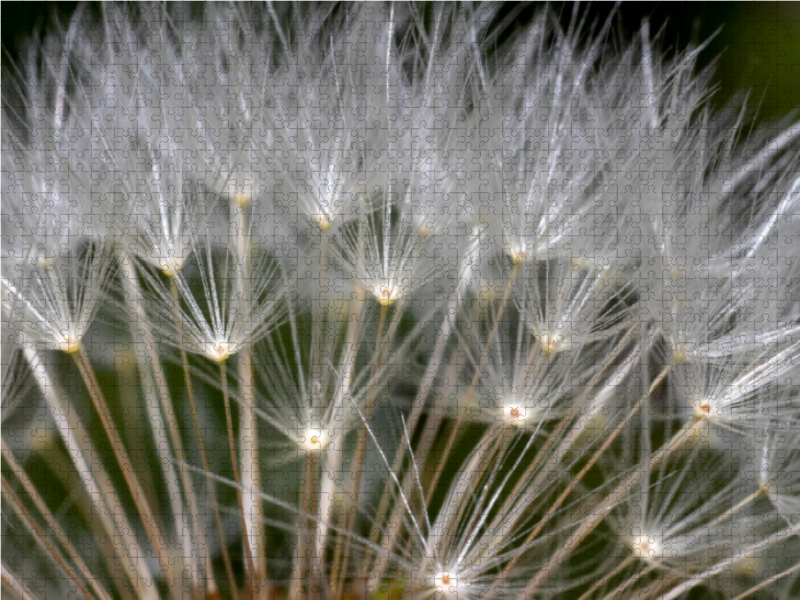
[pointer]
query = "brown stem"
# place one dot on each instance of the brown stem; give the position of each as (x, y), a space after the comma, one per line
(151, 526)
(153, 377)
(41, 537)
(50, 520)
(352, 334)
(251, 474)
(605, 579)
(611, 500)
(362, 440)
(226, 399)
(226, 559)
(475, 377)
(105, 504)
(766, 582)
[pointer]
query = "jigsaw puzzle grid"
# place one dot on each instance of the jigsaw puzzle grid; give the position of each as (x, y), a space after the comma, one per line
(393, 300)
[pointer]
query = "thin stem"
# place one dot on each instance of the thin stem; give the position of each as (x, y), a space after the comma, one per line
(723, 565)
(96, 482)
(498, 447)
(177, 443)
(14, 585)
(226, 559)
(151, 526)
(251, 473)
(352, 336)
(578, 428)
(416, 413)
(153, 378)
(311, 484)
(475, 378)
(630, 581)
(309, 562)
(226, 399)
(357, 465)
(539, 457)
(767, 582)
(742, 503)
(40, 537)
(395, 525)
(611, 500)
(51, 521)
(248, 434)
(317, 347)
(606, 578)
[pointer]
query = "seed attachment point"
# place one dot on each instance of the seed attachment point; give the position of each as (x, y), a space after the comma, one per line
(323, 222)
(70, 345)
(702, 409)
(387, 296)
(219, 352)
(314, 440)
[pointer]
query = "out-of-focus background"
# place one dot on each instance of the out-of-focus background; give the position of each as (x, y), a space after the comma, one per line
(756, 48)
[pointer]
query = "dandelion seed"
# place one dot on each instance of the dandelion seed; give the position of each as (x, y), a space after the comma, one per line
(232, 312)
(565, 308)
(315, 440)
(389, 259)
(735, 395)
(546, 236)
(56, 304)
(779, 474)
(516, 383)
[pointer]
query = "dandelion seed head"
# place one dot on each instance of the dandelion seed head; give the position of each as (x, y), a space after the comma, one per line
(44, 262)
(240, 301)
(519, 255)
(375, 160)
(219, 351)
(446, 584)
(56, 296)
(552, 344)
(70, 344)
(675, 271)
(387, 295)
(645, 547)
(170, 266)
(478, 228)
(683, 353)
(779, 475)
(314, 440)
(242, 199)
(748, 565)
(324, 222)
(702, 408)
(513, 414)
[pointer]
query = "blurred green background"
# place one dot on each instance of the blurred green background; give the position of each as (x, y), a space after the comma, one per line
(757, 48)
